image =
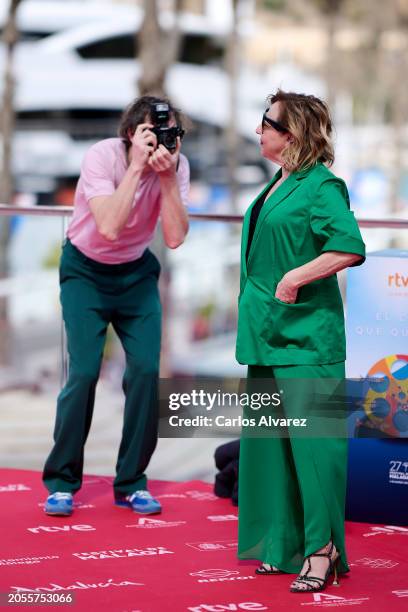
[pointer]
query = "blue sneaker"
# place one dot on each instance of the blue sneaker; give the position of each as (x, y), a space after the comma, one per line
(141, 502)
(59, 504)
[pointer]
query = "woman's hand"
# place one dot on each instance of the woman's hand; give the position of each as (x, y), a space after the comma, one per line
(287, 288)
(322, 266)
(163, 162)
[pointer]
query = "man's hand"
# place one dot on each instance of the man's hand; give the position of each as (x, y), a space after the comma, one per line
(144, 142)
(163, 162)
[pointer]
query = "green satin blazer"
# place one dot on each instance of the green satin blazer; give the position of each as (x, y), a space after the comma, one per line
(306, 216)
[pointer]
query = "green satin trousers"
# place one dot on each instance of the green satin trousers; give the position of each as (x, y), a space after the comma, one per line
(292, 488)
(94, 295)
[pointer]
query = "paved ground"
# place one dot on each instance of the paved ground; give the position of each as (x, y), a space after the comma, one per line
(26, 424)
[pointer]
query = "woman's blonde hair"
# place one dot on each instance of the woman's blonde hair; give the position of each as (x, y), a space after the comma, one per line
(308, 120)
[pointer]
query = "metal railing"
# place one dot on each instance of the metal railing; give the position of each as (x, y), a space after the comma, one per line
(64, 211)
(13, 286)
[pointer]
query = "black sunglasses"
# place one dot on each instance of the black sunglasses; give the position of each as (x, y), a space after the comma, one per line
(268, 121)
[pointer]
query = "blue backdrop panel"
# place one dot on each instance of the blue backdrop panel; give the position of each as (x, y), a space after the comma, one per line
(377, 348)
(377, 487)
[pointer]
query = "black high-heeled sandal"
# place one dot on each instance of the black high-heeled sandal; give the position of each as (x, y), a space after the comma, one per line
(266, 569)
(319, 583)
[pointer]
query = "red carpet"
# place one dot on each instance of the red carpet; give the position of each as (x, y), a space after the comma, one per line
(183, 560)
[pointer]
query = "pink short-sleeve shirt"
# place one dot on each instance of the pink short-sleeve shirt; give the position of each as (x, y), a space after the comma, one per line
(102, 170)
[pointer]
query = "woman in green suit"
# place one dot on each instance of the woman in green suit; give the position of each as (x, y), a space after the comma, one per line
(296, 235)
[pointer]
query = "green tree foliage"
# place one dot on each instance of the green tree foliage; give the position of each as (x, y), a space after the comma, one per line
(273, 5)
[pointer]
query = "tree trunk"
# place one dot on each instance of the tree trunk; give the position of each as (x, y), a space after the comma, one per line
(330, 72)
(10, 37)
(158, 49)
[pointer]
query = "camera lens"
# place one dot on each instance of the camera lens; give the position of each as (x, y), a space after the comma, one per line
(169, 141)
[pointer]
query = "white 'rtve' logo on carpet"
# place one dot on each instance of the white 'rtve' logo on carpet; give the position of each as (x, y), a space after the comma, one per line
(233, 607)
(59, 529)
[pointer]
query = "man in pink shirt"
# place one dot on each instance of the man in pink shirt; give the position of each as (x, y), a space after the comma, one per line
(108, 275)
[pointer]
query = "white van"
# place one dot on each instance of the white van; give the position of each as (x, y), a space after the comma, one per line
(37, 19)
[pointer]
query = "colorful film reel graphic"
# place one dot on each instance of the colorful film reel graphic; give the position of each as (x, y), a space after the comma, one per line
(386, 400)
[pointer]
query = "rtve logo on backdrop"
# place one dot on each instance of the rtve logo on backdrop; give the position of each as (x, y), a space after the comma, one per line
(397, 280)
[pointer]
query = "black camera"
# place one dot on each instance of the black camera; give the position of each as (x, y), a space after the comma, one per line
(167, 136)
